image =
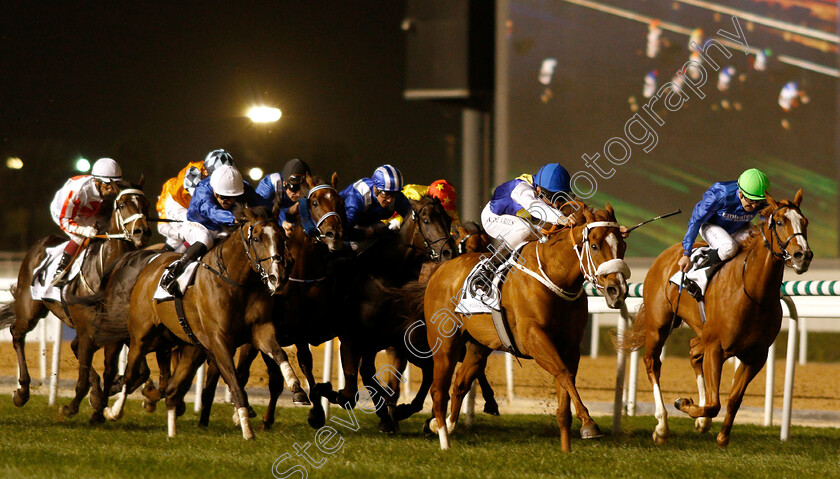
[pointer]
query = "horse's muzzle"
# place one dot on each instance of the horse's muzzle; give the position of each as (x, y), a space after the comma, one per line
(801, 261)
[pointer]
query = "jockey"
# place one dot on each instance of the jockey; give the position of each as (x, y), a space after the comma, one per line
(176, 194)
(208, 213)
(535, 198)
(76, 208)
(289, 181)
(723, 216)
(440, 189)
(370, 200)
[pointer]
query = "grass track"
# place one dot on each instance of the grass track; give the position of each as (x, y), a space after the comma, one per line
(36, 442)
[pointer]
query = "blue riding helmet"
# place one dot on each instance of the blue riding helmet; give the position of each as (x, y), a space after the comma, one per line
(387, 178)
(553, 178)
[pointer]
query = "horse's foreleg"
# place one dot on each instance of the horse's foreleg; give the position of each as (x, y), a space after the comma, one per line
(712, 365)
(211, 379)
(702, 424)
(265, 339)
(743, 376)
(99, 399)
(404, 411)
(350, 360)
(140, 345)
(445, 361)
(275, 388)
(398, 362)
(317, 416)
(654, 340)
(247, 354)
(84, 353)
(546, 355)
(222, 354)
(490, 405)
(367, 371)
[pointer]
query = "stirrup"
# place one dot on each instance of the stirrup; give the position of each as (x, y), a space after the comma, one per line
(693, 289)
(60, 279)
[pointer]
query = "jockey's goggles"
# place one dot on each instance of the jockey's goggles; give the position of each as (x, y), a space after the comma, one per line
(224, 198)
(294, 182)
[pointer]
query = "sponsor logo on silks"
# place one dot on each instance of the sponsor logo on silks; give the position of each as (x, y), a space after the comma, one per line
(734, 217)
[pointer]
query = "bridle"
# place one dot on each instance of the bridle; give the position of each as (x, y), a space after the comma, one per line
(783, 252)
(256, 261)
(433, 255)
(126, 224)
(314, 229)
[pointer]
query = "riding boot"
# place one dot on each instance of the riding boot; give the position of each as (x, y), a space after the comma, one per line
(60, 279)
(484, 278)
(711, 262)
(168, 281)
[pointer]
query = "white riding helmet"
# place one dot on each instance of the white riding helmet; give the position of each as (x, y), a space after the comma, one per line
(227, 181)
(106, 170)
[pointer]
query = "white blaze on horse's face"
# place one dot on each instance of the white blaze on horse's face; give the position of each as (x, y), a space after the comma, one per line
(272, 238)
(796, 222)
(613, 242)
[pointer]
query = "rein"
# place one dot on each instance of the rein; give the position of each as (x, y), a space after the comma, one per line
(588, 268)
(316, 230)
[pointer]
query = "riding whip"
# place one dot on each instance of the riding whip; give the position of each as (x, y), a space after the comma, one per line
(654, 219)
(163, 220)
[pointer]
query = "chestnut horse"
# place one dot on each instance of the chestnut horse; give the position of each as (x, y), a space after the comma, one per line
(546, 312)
(224, 309)
(743, 315)
(128, 230)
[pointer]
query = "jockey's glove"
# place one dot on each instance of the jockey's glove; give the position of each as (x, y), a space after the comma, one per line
(86, 231)
(394, 224)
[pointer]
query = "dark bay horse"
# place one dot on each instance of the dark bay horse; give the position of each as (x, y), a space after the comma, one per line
(546, 313)
(303, 311)
(743, 315)
(128, 230)
(225, 308)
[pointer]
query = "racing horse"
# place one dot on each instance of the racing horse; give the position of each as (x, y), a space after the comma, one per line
(743, 315)
(224, 308)
(128, 230)
(546, 313)
(301, 310)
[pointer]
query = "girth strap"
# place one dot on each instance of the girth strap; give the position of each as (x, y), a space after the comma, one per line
(503, 330)
(182, 318)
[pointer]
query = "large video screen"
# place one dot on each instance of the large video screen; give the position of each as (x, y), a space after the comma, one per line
(586, 90)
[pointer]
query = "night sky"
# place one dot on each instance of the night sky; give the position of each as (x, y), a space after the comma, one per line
(157, 86)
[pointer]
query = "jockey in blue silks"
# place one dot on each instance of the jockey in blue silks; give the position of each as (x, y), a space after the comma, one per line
(289, 183)
(538, 198)
(209, 212)
(370, 200)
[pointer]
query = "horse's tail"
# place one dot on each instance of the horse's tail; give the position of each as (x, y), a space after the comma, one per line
(631, 339)
(7, 311)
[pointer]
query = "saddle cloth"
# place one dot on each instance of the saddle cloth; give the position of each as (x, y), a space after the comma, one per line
(479, 297)
(699, 276)
(184, 280)
(41, 287)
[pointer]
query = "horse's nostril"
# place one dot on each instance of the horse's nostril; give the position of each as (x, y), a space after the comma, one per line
(612, 291)
(446, 254)
(138, 231)
(798, 255)
(329, 235)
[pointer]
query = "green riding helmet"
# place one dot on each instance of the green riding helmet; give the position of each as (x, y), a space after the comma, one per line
(753, 184)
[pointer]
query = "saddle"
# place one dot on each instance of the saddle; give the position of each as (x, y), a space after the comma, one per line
(705, 262)
(42, 277)
(184, 280)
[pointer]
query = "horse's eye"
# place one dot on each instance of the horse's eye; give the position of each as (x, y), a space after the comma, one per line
(119, 206)
(425, 221)
(315, 203)
(779, 223)
(256, 239)
(594, 247)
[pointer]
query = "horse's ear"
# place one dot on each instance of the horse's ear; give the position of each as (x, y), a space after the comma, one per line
(609, 210)
(771, 202)
(588, 215)
(334, 180)
(797, 200)
(142, 181)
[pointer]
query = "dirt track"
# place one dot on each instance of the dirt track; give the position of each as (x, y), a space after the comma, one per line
(816, 386)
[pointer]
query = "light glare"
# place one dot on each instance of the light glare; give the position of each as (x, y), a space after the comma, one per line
(82, 165)
(264, 114)
(14, 163)
(255, 173)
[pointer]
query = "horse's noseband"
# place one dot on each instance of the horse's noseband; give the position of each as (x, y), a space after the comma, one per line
(783, 252)
(255, 260)
(124, 222)
(433, 255)
(317, 233)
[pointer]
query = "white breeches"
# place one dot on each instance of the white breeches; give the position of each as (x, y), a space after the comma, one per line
(172, 231)
(512, 229)
(723, 242)
(198, 233)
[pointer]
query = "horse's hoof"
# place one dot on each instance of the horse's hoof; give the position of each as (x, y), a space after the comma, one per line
(427, 430)
(300, 399)
(266, 426)
(180, 409)
(149, 406)
(590, 432)
(491, 408)
(681, 403)
(116, 386)
(251, 412)
(316, 418)
(702, 424)
(20, 397)
(659, 440)
(722, 440)
(387, 426)
(112, 416)
(403, 412)
(69, 411)
(96, 418)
